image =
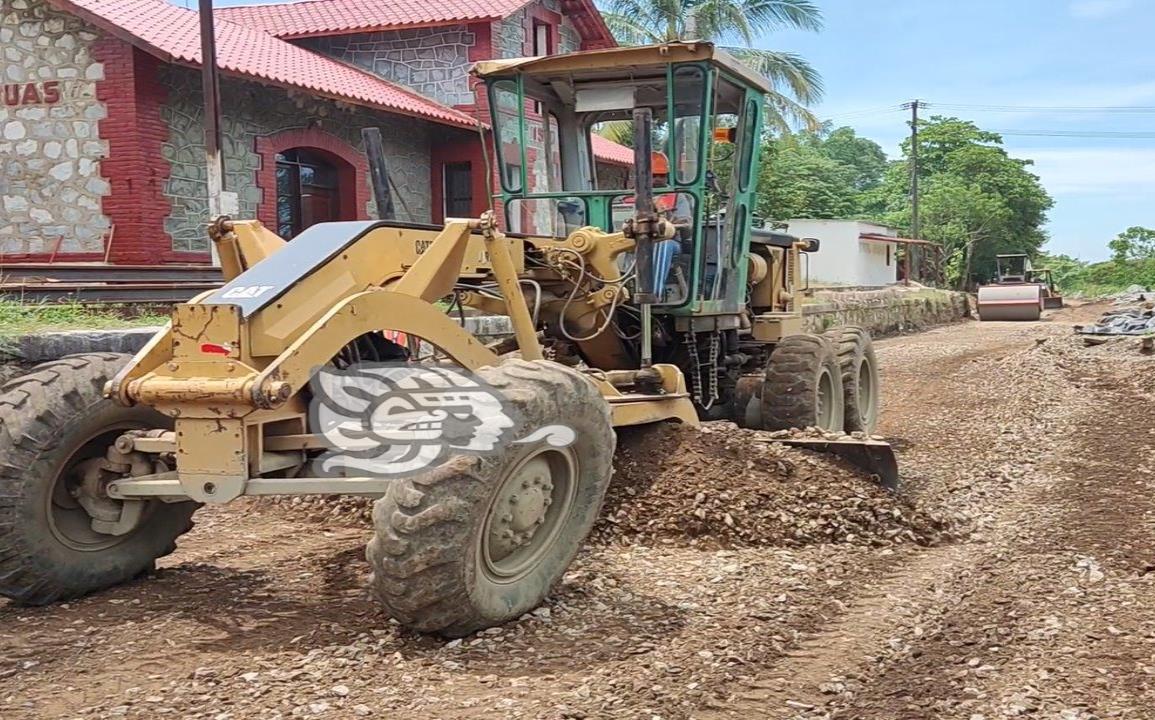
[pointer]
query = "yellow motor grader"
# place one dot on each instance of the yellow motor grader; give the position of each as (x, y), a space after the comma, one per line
(658, 300)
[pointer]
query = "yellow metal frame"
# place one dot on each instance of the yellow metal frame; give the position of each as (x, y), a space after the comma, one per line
(227, 403)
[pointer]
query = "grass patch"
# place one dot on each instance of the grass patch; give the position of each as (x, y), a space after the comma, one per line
(24, 318)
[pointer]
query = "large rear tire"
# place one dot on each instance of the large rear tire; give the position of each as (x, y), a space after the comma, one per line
(860, 381)
(803, 386)
(481, 540)
(54, 426)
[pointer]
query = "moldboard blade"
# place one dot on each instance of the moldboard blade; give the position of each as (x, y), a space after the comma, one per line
(873, 456)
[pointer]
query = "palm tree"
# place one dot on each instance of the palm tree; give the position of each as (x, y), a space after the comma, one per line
(796, 83)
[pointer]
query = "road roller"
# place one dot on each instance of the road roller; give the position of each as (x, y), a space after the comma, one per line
(1014, 295)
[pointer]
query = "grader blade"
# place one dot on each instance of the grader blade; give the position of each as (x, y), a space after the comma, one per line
(874, 456)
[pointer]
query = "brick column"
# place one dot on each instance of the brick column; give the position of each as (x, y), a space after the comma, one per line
(135, 168)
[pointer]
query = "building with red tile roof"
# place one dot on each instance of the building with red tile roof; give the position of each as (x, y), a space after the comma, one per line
(101, 129)
(310, 18)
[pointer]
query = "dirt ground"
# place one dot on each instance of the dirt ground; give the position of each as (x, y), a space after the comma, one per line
(1014, 576)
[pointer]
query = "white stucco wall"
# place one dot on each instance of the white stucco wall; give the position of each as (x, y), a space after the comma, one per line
(844, 258)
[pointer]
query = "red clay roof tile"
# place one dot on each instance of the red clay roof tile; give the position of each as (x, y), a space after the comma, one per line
(173, 34)
(325, 17)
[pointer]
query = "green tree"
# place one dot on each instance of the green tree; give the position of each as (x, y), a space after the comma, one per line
(799, 180)
(801, 177)
(864, 157)
(1134, 243)
(1069, 273)
(796, 82)
(975, 199)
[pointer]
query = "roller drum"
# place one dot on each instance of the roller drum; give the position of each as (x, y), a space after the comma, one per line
(1010, 302)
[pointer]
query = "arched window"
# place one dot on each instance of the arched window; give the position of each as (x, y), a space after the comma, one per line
(309, 190)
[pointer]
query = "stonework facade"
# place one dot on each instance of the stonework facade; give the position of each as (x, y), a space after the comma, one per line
(514, 38)
(50, 147)
(433, 61)
(102, 142)
(252, 112)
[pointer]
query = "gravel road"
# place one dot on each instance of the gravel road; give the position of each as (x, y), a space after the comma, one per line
(1014, 576)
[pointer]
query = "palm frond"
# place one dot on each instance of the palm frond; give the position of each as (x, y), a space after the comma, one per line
(629, 30)
(784, 115)
(716, 19)
(619, 131)
(786, 71)
(779, 14)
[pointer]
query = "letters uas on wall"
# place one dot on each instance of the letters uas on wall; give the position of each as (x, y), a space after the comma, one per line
(33, 93)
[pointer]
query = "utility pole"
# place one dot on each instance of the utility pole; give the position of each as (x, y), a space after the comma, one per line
(914, 168)
(914, 229)
(210, 87)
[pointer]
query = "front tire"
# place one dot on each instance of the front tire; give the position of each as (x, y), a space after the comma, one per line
(481, 540)
(55, 423)
(802, 386)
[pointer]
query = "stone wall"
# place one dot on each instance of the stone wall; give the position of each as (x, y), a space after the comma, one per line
(251, 111)
(612, 177)
(512, 37)
(433, 61)
(884, 312)
(50, 146)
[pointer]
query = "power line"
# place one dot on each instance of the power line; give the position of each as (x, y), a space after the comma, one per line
(1125, 109)
(1103, 134)
(863, 113)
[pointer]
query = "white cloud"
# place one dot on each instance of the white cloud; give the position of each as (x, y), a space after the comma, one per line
(1097, 9)
(1094, 171)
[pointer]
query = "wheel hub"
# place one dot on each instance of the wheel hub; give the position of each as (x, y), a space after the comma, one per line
(81, 513)
(527, 512)
(521, 508)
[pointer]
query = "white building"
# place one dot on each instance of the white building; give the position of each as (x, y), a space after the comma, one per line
(852, 252)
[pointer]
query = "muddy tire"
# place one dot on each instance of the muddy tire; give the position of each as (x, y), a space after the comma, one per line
(860, 381)
(803, 386)
(51, 420)
(481, 540)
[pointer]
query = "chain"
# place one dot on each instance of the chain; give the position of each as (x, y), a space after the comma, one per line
(713, 367)
(691, 341)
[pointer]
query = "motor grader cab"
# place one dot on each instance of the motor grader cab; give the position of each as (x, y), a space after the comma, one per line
(488, 461)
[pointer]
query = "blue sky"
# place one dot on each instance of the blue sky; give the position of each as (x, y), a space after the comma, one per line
(1049, 53)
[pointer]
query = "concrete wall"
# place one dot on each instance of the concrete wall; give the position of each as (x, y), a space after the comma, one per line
(50, 147)
(844, 258)
(251, 112)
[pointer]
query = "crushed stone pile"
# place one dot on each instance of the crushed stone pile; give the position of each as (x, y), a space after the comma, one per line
(1131, 295)
(341, 510)
(726, 487)
(719, 487)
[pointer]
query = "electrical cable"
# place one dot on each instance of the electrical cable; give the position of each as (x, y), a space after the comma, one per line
(1100, 134)
(1124, 109)
(862, 113)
